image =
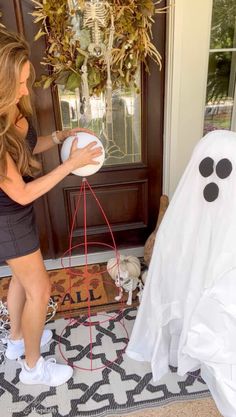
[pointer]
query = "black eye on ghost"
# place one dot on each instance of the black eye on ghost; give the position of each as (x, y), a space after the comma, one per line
(223, 170)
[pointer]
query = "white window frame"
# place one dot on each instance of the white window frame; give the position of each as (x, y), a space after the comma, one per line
(187, 59)
(188, 43)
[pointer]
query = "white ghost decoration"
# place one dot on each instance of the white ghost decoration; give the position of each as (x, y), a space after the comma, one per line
(187, 316)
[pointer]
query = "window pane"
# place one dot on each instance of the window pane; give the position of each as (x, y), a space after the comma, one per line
(223, 31)
(122, 142)
(222, 67)
(220, 91)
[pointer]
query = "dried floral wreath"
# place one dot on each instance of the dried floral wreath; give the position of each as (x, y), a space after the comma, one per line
(1, 25)
(96, 44)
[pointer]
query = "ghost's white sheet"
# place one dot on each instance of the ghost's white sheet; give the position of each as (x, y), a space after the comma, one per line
(187, 316)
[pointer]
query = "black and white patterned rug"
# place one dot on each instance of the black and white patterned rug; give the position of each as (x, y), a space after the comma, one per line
(105, 381)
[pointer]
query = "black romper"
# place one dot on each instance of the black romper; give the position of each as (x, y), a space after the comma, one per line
(18, 230)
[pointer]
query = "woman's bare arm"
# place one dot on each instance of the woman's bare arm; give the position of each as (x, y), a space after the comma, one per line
(44, 143)
(25, 193)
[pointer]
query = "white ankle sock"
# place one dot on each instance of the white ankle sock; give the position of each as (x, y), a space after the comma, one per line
(31, 369)
(16, 341)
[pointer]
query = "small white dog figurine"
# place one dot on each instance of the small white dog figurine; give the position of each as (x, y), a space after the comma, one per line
(125, 271)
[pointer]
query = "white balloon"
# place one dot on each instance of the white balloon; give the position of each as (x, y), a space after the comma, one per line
(83, 140)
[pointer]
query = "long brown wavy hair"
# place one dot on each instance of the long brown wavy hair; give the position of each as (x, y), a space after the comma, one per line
(14, 53)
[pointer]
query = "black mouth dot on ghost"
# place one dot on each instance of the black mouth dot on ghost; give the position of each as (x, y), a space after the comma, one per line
(211, 192)
(206, 167)
(224, 168)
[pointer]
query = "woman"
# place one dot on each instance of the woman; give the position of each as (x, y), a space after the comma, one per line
(29, 289)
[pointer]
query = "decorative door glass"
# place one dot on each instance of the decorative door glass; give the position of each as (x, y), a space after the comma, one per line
(121, 137)
(122, 142)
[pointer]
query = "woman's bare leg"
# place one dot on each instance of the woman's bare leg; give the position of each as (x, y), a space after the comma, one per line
(15, 304)
(32, 275)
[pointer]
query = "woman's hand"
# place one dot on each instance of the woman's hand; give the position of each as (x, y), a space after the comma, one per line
(84, 156)
(63, 134)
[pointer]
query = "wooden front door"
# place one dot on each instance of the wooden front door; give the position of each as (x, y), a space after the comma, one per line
(129, 193)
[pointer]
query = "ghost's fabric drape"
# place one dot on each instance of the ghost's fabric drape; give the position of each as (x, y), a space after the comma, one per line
(187, 317)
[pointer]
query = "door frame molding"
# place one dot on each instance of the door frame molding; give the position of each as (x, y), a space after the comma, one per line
(78, 260)
(187, 54)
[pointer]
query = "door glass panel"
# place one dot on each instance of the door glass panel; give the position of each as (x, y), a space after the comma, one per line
(121, 137)
(122, 142)
(220, 97)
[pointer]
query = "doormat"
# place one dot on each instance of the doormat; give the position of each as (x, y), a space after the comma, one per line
(198, 408)
(117, 386)
(79, 287)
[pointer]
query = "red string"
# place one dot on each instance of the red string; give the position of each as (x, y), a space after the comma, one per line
(86, 274)
(108, 363)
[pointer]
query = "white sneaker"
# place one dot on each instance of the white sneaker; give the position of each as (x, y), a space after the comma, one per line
(16, 348)
(45, 372)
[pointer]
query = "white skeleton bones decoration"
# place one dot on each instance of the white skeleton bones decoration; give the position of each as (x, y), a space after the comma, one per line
(129, 284)
(85, 105)
(125, 271)
(95, 17)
